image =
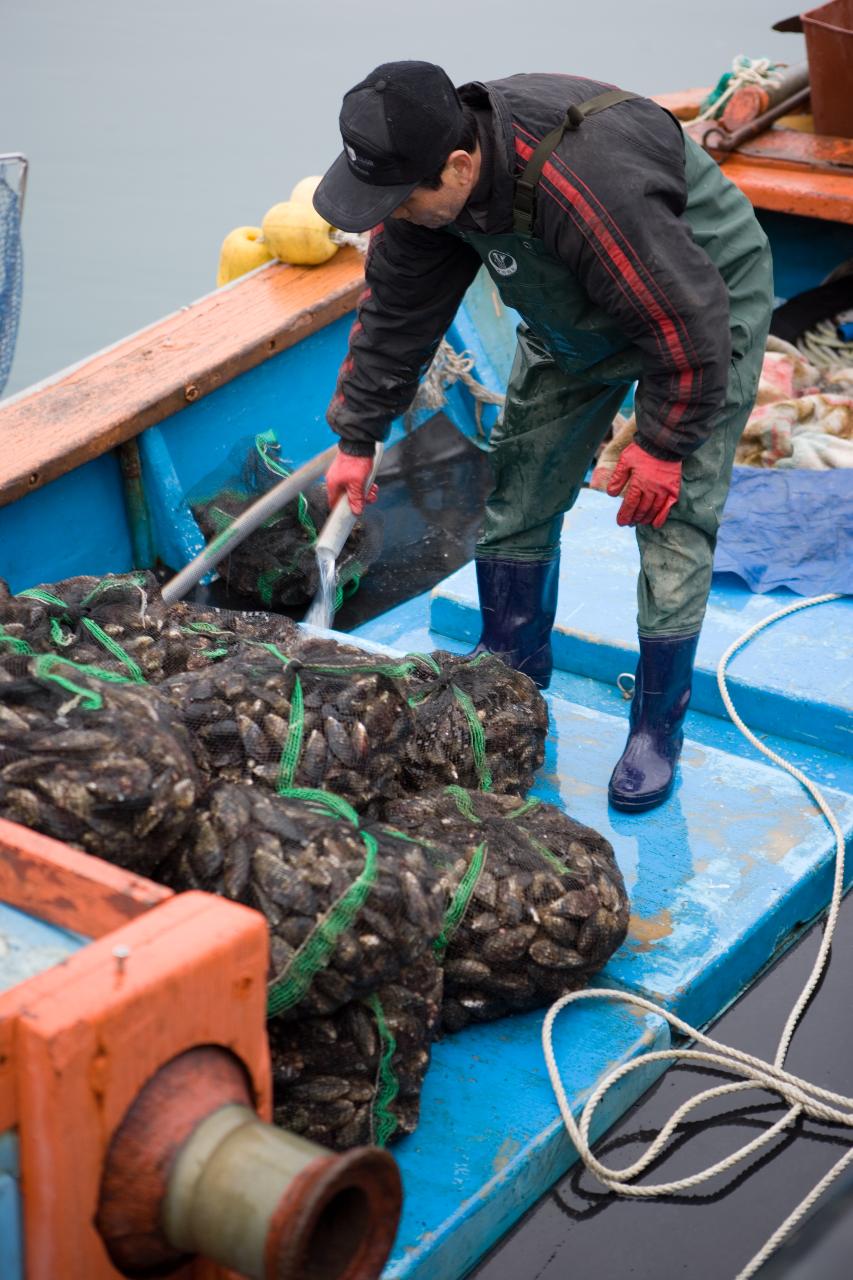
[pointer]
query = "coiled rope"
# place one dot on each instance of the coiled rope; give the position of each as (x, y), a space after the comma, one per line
(448, 365)
(744, 71)
(803, 1097)
(824, 347)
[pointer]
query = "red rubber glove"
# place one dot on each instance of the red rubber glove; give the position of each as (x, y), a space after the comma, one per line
(349, 475)
(651, 487)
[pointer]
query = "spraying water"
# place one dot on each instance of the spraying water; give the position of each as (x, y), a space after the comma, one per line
(322, 610)
(329, 546)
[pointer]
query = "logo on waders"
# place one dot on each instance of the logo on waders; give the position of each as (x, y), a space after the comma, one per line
(504, 263)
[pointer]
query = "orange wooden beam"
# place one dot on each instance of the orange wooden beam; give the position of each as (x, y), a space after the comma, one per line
(793, 189)
(785, 170)
(68, 888)
(90, 409)
(684, 104)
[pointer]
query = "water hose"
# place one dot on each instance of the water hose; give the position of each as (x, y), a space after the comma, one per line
(269, 504)
(803, 1097)
(329, 545)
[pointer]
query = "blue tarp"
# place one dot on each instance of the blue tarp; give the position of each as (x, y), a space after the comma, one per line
(789, 529)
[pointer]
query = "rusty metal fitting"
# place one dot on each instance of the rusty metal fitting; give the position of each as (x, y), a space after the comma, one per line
(193, 1171)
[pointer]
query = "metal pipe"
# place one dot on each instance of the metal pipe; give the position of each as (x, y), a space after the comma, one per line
(247, 522)
(272, 1206)
(192, 1170)
(333, 536)
(754, 100)
(724, 141)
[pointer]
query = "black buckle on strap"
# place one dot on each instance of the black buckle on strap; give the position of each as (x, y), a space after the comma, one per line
(574, 117)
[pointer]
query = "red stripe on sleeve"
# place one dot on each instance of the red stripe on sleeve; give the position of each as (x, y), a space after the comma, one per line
(595, 230)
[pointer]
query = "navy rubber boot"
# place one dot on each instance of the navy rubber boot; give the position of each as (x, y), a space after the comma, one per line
(645, 773)
(518, 603)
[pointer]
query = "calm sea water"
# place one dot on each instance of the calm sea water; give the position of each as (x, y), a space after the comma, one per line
(153, 128)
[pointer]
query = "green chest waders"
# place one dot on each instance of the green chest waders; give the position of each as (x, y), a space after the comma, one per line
(572, 369)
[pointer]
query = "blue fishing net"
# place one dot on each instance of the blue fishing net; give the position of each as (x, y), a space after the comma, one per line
(11, 266)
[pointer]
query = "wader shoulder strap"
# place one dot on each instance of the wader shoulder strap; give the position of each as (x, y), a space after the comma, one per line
(524, 202)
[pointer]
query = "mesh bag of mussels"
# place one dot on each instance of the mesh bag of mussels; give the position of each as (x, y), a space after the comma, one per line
(355, 1076)
(347, 908)
(94, 759)
(263, 716)
(536, 901)
(276, 565)
(121, 624)
(476, 722)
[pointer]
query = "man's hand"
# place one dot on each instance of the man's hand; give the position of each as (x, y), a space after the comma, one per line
(651, 487)
(350, 475)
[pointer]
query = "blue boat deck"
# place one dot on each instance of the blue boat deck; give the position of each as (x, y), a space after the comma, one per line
(722, 877)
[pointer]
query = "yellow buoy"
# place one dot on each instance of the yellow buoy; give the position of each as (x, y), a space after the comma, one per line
(303, 192)
(242, 250)
(297, 234)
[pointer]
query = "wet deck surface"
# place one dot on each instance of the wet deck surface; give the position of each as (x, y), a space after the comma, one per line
(709, 1234)
(722, 877)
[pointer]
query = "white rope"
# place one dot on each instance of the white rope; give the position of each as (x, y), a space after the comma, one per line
(824, 348)
(802, 1096)
(449, 366)
(744, 71)
(357, 239)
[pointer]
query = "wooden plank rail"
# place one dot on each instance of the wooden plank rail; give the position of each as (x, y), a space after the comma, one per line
(91, 408)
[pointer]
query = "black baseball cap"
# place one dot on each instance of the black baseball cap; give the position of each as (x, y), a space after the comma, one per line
(398, 126)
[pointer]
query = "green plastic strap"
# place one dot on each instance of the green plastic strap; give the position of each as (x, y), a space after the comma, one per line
(216, 653)
(387, 1085)
(461, 898)
(113, 647)
(58, 636)
(45, 597)
(557, 863)
(110, 582)
(89, 699)
(15, 643)
(527, 807)
(46, 661)
(304, 517)
(463, 802)
(329, 802)
(396, 671)
(265, 584)
(274, 650)
(478, 737)
(292, 748)
(35, 593)
(209, 628)
(315, 952)
(416, 840)
(262, 442)
(220, 519)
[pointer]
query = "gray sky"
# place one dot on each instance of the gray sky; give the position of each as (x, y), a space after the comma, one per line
(155, 126)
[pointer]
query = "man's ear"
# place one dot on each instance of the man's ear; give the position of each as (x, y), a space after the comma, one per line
(460, 168)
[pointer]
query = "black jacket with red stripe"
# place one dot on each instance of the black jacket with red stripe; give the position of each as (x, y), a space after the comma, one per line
(611, 211)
